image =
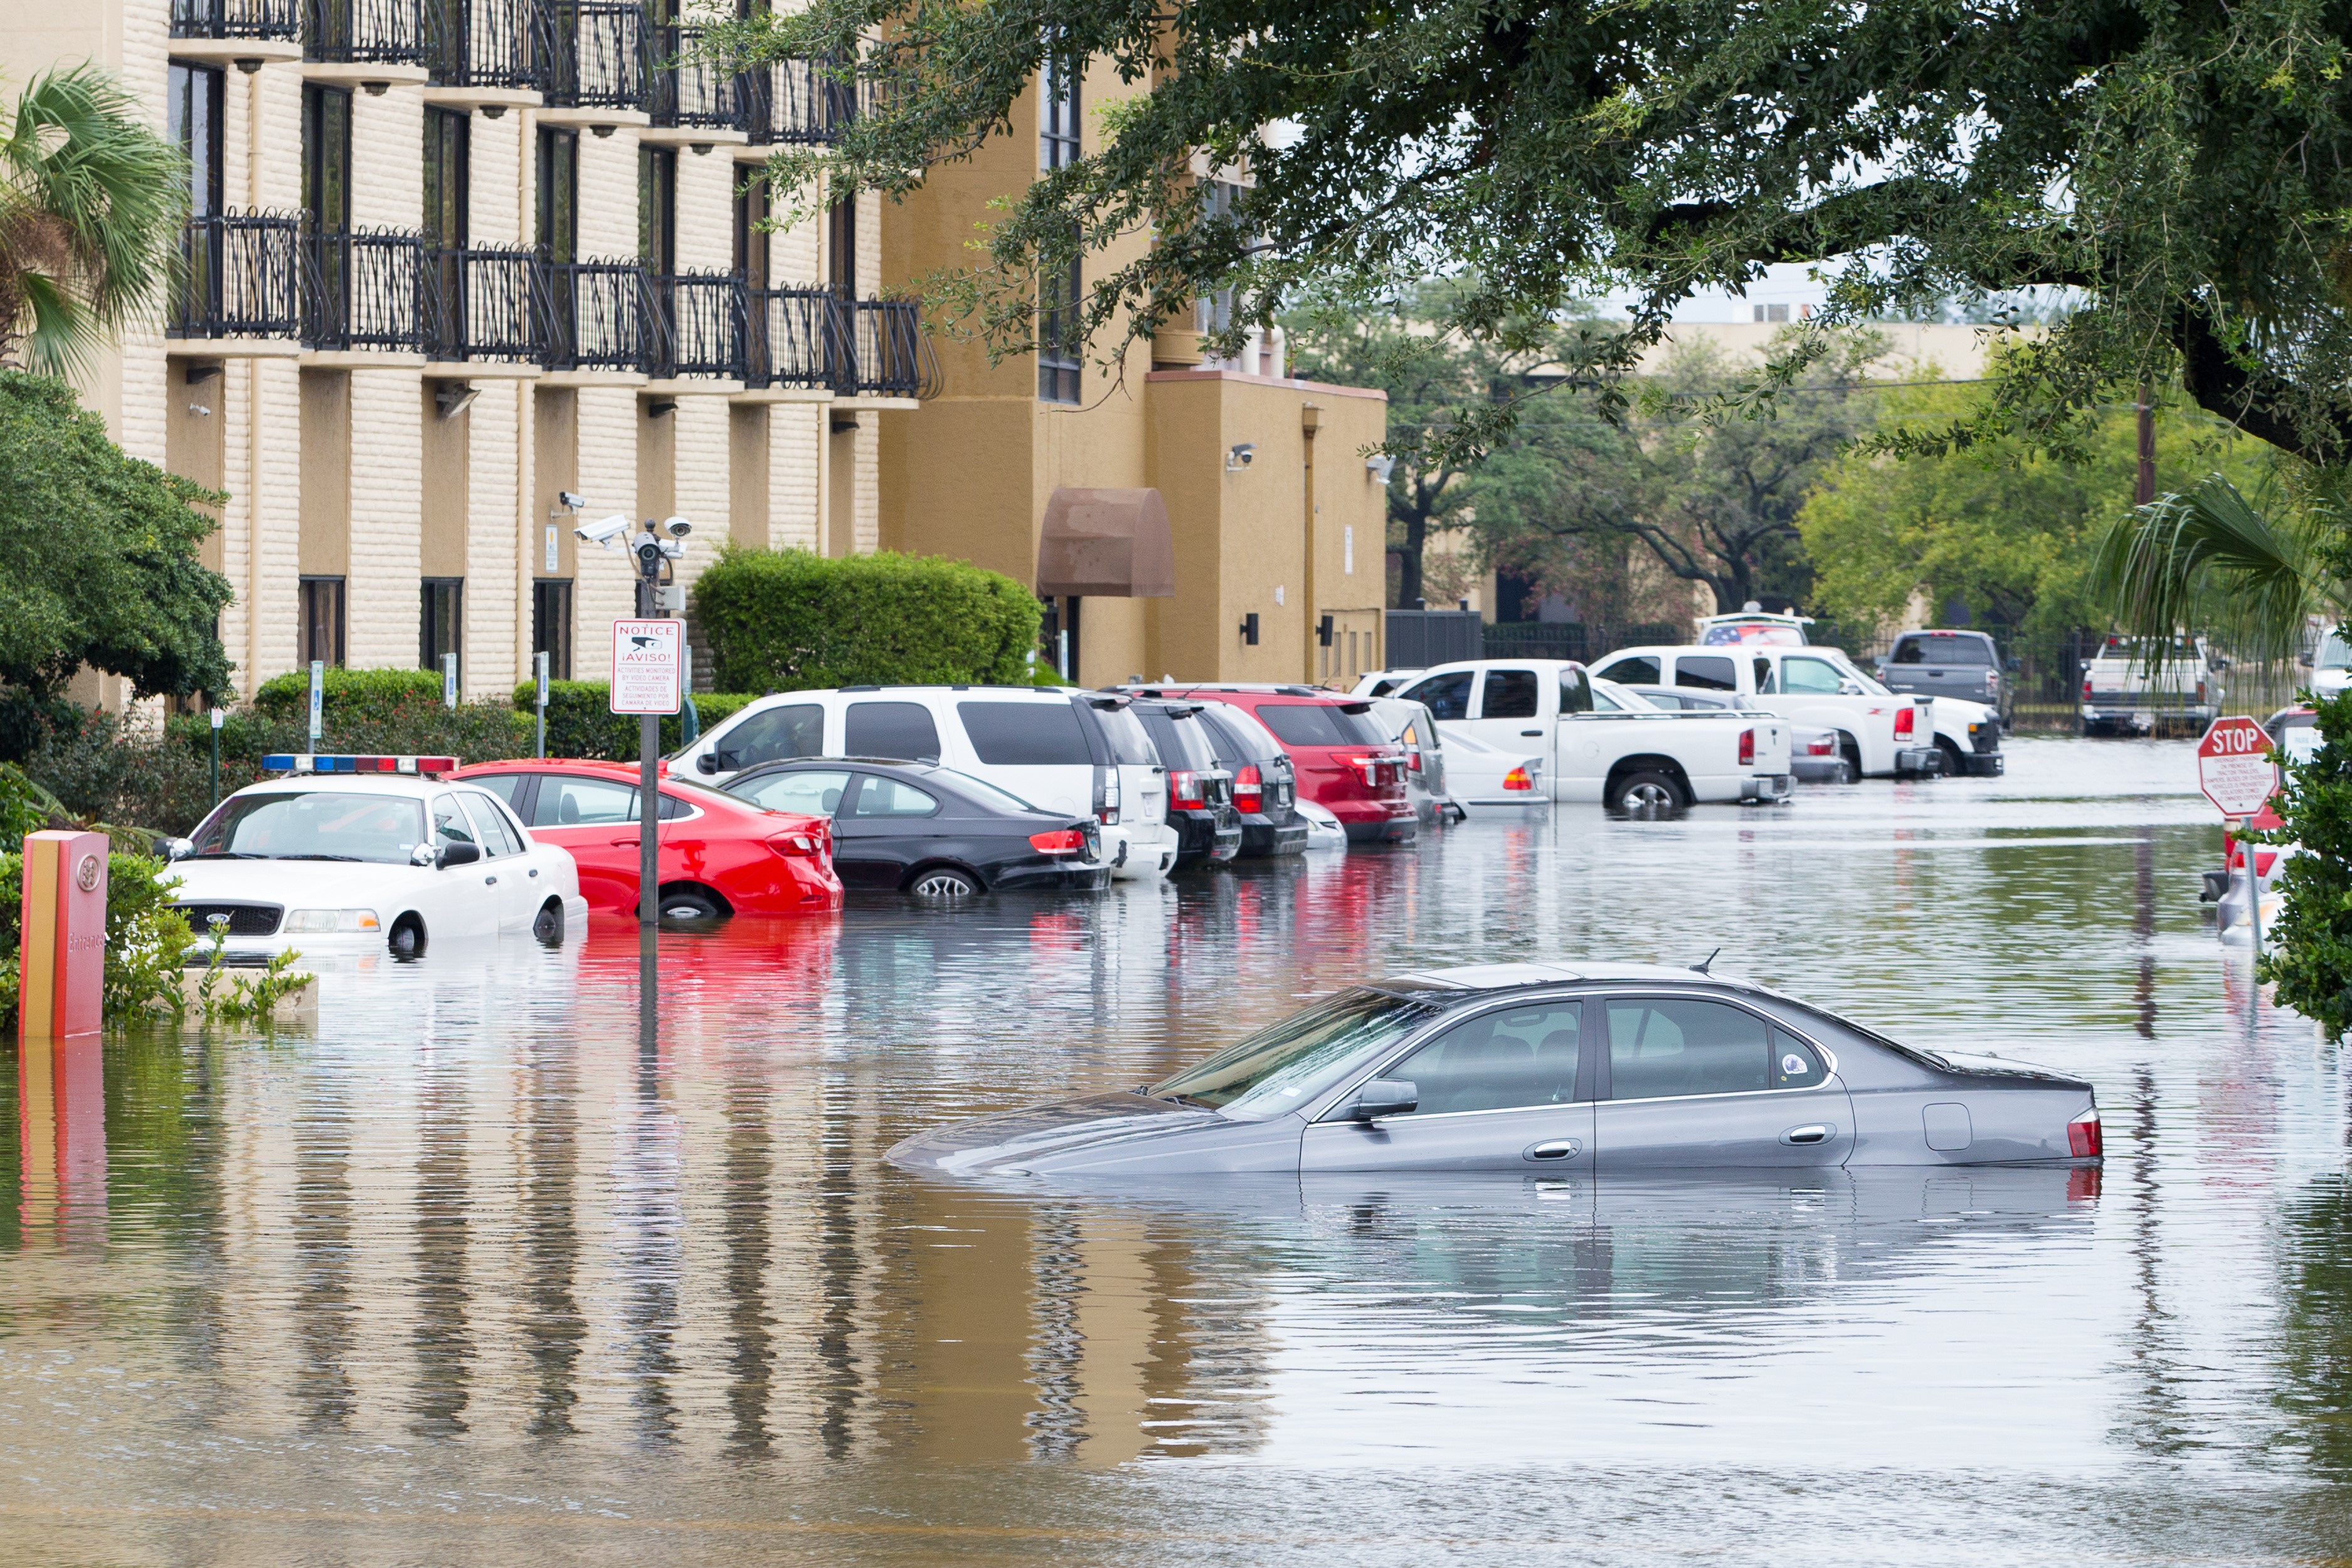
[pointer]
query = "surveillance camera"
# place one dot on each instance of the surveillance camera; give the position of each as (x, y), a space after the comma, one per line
(677, 528)
(1241, 455)
(566, 498)
(604, 531)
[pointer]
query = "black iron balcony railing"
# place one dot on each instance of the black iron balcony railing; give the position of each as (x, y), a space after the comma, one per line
(797, 101)
(602, 317)
(483, 43)
(365, 32)
(488, 302)
(594, 54)
(243, 277)
(236, 19)
(792, 339)
(888, 355)
(368, 290)
(691, 93)
(702, 318)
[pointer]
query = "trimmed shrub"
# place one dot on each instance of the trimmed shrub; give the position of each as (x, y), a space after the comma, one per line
(349, 694)
(786, 620)
(581, 723)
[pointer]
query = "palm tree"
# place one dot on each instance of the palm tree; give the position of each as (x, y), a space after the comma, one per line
(2253, 576)
(91, 203)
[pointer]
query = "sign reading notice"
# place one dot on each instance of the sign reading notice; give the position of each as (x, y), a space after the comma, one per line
(2234, 767)
(648, 666)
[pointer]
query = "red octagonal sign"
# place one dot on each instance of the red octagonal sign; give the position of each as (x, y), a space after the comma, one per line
(2234, 767)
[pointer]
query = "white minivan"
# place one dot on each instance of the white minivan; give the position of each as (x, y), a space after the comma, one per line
(1066, 750)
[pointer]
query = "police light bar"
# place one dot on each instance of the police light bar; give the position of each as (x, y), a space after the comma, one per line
(305, 762)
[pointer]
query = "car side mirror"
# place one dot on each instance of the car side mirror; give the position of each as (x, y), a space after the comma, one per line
(1850, 689)
(1384, 1097)
(707, 764)
(2017, 666)
(176, 848)
(2217, 664)
(458, 855)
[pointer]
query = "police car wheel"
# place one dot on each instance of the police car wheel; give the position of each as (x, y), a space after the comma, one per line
(407, 938)
(548, 924)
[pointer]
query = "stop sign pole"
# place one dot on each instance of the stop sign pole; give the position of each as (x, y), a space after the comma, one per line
(2238, 772)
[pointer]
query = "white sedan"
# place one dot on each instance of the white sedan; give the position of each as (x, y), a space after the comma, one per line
(361, 854)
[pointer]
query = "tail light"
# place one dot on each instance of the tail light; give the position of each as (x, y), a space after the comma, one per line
(1367, 765)
(1059, 841)
(1903, 720)
(1518, 779)
(2082, 1139)
(1107, 810)
(810, 843)
(1822, 746)
(1746, 748)
(1184, 791)
(2201, 691)
(1249, 788)
(1413, 758)
(1992, 681)
(2086, 689)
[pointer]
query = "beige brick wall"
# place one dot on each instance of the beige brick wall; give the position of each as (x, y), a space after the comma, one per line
(605, 590)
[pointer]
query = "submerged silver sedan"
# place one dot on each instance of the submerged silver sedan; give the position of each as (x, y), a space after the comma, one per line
(1543, 1067)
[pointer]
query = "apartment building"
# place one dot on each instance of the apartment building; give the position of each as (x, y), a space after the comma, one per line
(452, 259)
(1182, 515)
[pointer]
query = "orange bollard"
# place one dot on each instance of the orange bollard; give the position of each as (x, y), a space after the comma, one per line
(63, 956)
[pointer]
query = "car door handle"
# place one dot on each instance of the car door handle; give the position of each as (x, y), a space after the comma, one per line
(1531, 731)
(1557, 1149)
(1814, 1134)
(534, 870)
(490, 880)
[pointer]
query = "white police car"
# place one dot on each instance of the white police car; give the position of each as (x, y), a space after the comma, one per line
(351, 854)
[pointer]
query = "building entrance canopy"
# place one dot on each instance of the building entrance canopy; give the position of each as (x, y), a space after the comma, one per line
(1106, 543)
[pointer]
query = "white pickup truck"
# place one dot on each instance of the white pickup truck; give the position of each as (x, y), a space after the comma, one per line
(1602, 744)
(2121, 694)
(1882, 735)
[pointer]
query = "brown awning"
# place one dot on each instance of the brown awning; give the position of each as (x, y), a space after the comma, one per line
(1107, 543)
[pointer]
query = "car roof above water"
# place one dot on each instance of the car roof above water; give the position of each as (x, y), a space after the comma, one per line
(1503, 976)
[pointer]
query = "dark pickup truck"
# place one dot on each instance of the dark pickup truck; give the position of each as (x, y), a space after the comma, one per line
(1958, 664)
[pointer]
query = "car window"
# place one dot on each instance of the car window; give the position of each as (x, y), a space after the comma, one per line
(1673, 1045)
(1305, 724)
(1795, 1065)
(1706, 672)
(1287, 1064)
(1446, 696)
(2334, 652)
(1130, 746)
(506, 786)
(817, 792)
(1522, 1055)
(1182, 740)
(1234, 743)
(1607, 698)
(1642, 669)
(879, 797)
(1032, 735)
(450, 824)
(1766, 679)
(988, 794)
(774, 735)
(1933, 649)
(1809, 676)
(567, 800)
(1575, 691)
(314, 824)
(1510, 694)
(497, 837)
(902, 730)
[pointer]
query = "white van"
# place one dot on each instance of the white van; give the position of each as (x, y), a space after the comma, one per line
(1066, 750)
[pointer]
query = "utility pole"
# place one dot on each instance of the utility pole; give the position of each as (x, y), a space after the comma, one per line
(2145, 490)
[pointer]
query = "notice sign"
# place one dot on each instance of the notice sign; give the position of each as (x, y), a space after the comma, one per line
(648, 666)
(2234, 767)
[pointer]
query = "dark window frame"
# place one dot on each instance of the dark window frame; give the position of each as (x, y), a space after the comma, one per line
(196, 94)
(312, 594)
(558, 202)
(658, 209)
(550, 625)
(440, 621)
(327, 157)
(448, 176)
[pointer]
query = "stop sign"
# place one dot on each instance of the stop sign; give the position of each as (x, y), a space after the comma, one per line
(2234, 767)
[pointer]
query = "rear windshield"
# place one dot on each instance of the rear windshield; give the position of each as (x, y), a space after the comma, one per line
(1025, 734)
(1319, 724)
(1129, 745)
(1936, 649)
(1182, 742)
(1237, 742)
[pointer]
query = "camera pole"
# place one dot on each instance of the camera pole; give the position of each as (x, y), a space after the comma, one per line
(649, 566)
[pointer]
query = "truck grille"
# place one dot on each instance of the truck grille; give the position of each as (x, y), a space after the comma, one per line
(244, 920)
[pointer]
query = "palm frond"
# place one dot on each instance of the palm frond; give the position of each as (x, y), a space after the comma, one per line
(2211, 560)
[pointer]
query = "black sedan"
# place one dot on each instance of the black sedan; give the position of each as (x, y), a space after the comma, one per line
(919, 828)
(1200, 792)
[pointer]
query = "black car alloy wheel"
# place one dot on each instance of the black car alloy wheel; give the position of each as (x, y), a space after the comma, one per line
(689, 904)
(943, 882)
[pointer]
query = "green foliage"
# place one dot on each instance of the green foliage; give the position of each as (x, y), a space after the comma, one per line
(21, 808)
(364, 695)
(2213, 560)
(146, 938)
(786, 620)
(224, 994)
(2312, 966)
(2185, 169)
(581, 723)
(99, 558)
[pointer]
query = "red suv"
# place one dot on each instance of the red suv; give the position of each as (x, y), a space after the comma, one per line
(1345, 763)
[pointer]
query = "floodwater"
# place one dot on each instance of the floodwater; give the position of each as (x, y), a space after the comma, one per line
(468, 1271)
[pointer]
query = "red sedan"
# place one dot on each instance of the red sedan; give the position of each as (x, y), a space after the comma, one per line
(1346, 763)
(719, 854)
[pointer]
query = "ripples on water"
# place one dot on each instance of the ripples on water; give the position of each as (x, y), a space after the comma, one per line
(466, 1273)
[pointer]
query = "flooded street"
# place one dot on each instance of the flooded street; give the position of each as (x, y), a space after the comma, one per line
(467, 1271)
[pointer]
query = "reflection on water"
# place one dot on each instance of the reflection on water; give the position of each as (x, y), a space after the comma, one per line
(476, 1269)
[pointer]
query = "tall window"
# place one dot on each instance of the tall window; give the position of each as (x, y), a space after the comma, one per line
(751, 239)
(195, 124)
(1060, 343)
(559, 193)
(327, 157)
(550, 625)
(1058, 114)
(658, 209)
(841, 247)
(441, 621)
(446, 134)
(319, 620)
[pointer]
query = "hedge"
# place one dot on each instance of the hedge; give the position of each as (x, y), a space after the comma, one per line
(786, 620)
(349, 694)
(581, 723)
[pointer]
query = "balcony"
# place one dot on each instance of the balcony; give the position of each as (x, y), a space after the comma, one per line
(701, 330)
(791, 346)
(595, 63)
(600, 318)
(368, 41)
(484, 53)
(243, 279)
(251, 32)
(887, 356)
(692, 100)
(796, 102)
(490, 309)
(370, 292)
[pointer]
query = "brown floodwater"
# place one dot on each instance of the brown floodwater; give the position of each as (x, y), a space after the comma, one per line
(474, 1269)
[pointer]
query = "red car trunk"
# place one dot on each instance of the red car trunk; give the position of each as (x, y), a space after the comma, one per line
(1345, 764)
